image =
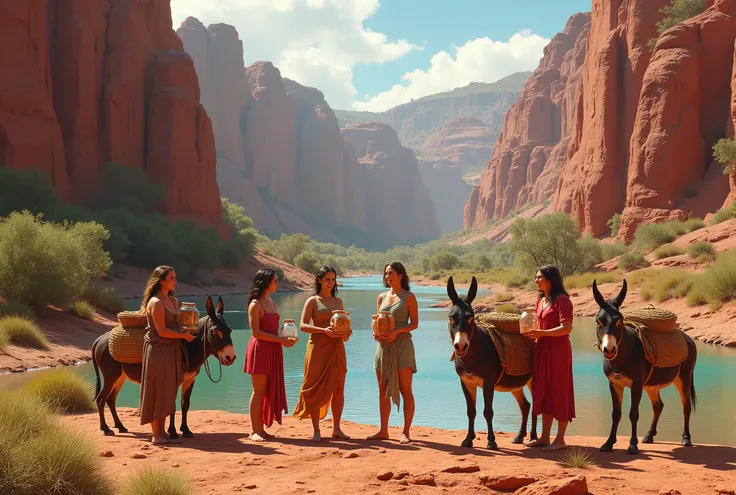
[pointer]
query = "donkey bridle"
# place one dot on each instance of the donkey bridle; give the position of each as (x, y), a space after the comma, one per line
(470, 338)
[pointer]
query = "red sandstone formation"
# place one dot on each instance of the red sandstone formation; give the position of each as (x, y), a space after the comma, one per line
(645, 130)
(398, 204)
(462, 141)
(530, 151)
(86, 82)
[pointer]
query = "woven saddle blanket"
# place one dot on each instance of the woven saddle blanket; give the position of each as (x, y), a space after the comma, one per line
(662, 349)
(515, 351)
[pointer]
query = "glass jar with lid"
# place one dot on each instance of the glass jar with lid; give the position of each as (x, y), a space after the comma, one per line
(288, 329)
(189, 318)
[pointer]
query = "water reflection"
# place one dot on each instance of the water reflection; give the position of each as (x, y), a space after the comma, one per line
(440, 401)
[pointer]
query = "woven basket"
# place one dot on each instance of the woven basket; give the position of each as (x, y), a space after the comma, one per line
(126, 344)
(515, 350)
(132, 319)
(506, 322)
(659, 320)
(662, 349)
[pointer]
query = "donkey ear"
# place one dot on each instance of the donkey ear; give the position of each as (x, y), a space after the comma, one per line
(210, 307)
(472, 291)
(598, 296)
(220, 308)
(451, 292)
(621, 296)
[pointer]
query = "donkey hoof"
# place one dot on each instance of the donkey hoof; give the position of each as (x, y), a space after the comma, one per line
(632, 450)
(518, 439)
(648, 439)
(492, 445)
(187, 434)
(122, 429)
(468, 443)
(686, 442)
(108, 432)
(173, 435)
(607, 447)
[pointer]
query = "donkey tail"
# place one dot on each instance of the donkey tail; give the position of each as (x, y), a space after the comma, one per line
(98, 385)
(693, 397)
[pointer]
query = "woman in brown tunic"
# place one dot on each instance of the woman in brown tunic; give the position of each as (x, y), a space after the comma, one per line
(325, 364)
(162, 352)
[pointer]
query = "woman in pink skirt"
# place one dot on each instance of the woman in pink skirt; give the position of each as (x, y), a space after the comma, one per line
(264, 358)
(553, 391)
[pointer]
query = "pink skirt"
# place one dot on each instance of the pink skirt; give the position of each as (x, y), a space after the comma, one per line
(553, 390)
(267, 358)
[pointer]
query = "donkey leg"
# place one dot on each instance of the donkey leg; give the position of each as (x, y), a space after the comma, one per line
(657, 406)
(683, 387)
(488, 413)
(636, 393)
(185, 401)
(470, 394)
(617, 396)
(111, 378)
(533, 434)
(111, 401)
(524, 407)
(173, 435)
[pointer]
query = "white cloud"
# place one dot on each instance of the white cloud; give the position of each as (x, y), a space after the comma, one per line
(479, 60)
(315, 42)
(319, 43)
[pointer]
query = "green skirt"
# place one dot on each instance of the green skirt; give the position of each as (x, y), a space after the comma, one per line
(391, 357)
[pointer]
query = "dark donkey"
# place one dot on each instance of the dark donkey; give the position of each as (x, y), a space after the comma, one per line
(478, 365)
(625, 365)
(213, 339)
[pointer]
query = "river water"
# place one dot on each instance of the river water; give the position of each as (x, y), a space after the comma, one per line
(439, 399)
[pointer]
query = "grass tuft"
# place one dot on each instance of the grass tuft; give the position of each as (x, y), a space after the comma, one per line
(62, 390)
(23, 332)
(157, 481)
(83, 310)
(668, 251)
(507, 308)
(578, 458)
(16, 308)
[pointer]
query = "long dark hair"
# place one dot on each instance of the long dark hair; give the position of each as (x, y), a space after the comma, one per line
(552, 274)
(318, 282)
(263, 278)
(398, 268)
(154, 284)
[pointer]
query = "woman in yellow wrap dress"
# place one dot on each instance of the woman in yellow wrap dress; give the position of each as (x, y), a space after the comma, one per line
(325, 364)
(395, 361)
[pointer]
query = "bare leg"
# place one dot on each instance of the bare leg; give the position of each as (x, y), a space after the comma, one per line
(338, 402)
(405, 380)
(260, 383)
(385, 409)
(159, 436)
(559, 442)
(314, 415)
(543, 440)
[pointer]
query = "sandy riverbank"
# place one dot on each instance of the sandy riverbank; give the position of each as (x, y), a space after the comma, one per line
(221, 460)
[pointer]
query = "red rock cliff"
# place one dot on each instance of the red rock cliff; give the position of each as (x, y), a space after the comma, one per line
(531, 149)
(645, 129)
(86, 82)
(398, 205)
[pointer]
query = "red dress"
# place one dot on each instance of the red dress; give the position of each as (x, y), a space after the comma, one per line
(267, 358)
(553, 390)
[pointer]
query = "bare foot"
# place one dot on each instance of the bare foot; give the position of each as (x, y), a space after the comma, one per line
(338, 433)
(404, 439)
(538, 443)
(156, 440)
(381, 435)
(257, 437)
(317, 437)
(556, 445)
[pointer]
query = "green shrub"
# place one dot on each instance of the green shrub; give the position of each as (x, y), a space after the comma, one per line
(307, 261)
(724, 214)
(23, 332)
(242, 232)
(83, 310)
(668, 251)
(718, 283)
(45, 263)
(507, 308)
(127, 187)
(105, 298)
(444, 260)
(279, 273)
(26, 190)
(675, 13)
(4, 342)
(612, 250)
(650, 236)
(288, 247)
(667, 284)
(157, 481)
(700, 248)
(694, 224)
(503, 297)
(16, 308)
(614, 224)
(62, 390)
(724, 151)
(435, 276)
(553, 239)
(631, 260)
(585, 280)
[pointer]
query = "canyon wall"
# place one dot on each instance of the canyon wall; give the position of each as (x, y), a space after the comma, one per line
(281, 154)
(84, 83)
(532, 146)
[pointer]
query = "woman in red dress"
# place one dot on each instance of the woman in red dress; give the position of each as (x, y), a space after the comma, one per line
(264, 358)
(552, 383)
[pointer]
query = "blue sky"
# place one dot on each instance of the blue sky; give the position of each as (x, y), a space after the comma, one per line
(371, 55)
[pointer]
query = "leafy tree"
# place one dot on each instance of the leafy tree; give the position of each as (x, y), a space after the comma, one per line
(307, 261)
(290, 246)
(552, 239)
(614, 223)
(725, 152)
(675, 13)
(127, 187)
(445, 260)
(30, 190)
(243, 234)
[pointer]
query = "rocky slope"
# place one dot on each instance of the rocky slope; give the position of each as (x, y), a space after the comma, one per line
(86, 83)
(647, 122)
(532, 147)
(464, 142)
(281, 155)
(416, 121)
